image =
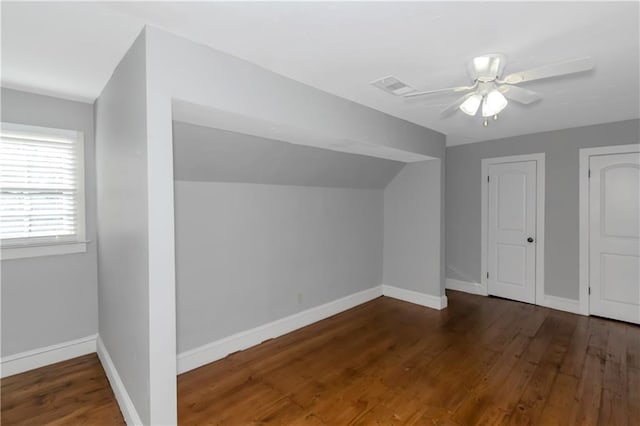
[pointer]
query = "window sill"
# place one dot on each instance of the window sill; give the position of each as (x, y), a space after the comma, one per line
(53, 249)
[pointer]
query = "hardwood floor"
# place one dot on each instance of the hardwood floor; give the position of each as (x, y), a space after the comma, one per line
(481, 361)
(74, 392)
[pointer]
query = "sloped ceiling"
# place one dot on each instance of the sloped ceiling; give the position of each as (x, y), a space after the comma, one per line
(213, 155)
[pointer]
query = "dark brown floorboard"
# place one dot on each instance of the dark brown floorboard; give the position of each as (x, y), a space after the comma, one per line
(481, 361)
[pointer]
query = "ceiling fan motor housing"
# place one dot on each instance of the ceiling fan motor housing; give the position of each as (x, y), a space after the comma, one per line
(487, 67)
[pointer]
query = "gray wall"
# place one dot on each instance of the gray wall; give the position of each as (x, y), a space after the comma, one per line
(123, 290)
(213, 155)
(265, 229)
(244, 252)
(412, 229)
(51, 299)
(463, 198)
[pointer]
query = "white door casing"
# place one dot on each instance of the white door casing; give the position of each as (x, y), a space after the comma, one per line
(614, 236)
(512, 230)
(513, 199)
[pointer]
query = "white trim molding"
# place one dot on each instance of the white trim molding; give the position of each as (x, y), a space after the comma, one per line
(127, 408)
(36, 358)
(585, 154)
(561, 304)
(539, 158)
(197, 357)
(21, 252)
(466, 286)
(435, 302)
(549, 301)
(219, 349)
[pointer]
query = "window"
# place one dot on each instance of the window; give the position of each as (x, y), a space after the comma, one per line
(41, 191)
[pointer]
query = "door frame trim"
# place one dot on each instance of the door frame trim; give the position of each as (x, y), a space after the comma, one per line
(584, 236)
(539, 158)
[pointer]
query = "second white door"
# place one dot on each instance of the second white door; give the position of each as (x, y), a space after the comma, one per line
(614, 236)
(511, 254)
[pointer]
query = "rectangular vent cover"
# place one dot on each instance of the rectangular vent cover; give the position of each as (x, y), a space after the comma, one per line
(392, 85)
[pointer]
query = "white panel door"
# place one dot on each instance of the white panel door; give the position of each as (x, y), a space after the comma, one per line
(511, 238)
(614, 236)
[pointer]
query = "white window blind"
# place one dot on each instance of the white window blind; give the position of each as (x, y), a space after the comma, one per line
(41, 186)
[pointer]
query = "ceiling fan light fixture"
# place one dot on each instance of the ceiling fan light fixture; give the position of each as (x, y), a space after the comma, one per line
(493, 103)
(471, 105)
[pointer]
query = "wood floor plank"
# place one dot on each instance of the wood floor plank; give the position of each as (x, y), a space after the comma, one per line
(577, 350)
(633, 346)
(633, 401)
(588, 395)
(483, 395)
(72, 392)
(482, 361)
(561, 395)
(532, 401)
(613, 408)
(501, 408)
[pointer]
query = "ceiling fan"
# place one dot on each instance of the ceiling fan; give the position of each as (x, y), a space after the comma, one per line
(490, 90)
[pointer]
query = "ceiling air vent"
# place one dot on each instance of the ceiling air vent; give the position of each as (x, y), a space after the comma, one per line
(392, 85)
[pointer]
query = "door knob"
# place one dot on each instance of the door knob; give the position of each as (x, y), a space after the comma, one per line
(530, 239)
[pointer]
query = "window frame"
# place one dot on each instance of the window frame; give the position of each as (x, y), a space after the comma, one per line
(49, 246)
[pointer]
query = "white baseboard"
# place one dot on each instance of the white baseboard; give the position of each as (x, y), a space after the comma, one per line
(127, 408)
(466, 286)
(435, 302)
(553, 302)
(219, 349)
(35, 358)
(561, 304)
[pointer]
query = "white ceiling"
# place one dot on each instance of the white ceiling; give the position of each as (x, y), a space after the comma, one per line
(70, 50)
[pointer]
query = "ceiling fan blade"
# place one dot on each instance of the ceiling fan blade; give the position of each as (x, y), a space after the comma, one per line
(448, 89)
(518, 94)
(554, 70)
(454, 106)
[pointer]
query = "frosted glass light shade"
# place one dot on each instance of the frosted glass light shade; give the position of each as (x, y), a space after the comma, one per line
(471, 105)
(493, 103)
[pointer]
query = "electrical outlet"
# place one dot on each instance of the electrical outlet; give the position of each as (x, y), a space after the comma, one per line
(299, 298)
